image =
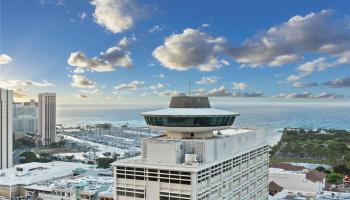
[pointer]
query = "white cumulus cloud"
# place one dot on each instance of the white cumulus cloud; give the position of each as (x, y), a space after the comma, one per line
(282, 44)
(172, 93)
(318, 64)
(208, 80)
(219, 92)
(116, 15)
(190, 49)
(81, 96)
(304, 85)
(248, 94)
(308, 95)
(126, 41)
(107, 61)
(133, 85)
(294, 95)
(82, 82)
(156, 28)
(339, 83)
(5, 59)
(239, 85)
(82, 15)
(158, 86)
(21, 83)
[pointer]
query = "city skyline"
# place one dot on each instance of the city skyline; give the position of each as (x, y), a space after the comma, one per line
(110, 52)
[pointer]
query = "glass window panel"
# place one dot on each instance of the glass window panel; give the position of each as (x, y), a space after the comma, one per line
(189, 121)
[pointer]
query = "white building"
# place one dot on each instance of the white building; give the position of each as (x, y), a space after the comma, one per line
(6, 99)
(327, 195)
(13, 180)
(297, 180)
(25, 117)
(199, 157)
(88, 184)
(47, 118)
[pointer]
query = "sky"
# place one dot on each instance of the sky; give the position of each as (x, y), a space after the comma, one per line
(128, 51)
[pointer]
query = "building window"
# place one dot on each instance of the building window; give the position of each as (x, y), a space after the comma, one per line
(190, 121)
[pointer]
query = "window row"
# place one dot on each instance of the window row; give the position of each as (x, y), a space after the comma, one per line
(190, 121)
(131, 192)
(173, 196)
(172, 179)
(130, 170)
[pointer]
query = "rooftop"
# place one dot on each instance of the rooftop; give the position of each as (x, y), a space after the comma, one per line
(89, 182)
(312, 175)
(218, 135)
(315, 176)
(30, 173)
(275, 187)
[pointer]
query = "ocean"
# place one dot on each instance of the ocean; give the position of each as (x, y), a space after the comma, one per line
(270, 116)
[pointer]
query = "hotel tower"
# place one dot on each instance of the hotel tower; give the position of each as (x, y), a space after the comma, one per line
(198, 156)
(47, 118)
(6, 99)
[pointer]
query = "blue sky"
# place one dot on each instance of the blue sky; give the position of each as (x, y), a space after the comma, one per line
(117, 51)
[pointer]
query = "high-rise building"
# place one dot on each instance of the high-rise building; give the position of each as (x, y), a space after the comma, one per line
(25, 117)
(198, 156)
(6, 99)
(47, 118)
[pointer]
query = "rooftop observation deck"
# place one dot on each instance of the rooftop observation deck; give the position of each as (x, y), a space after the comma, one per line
(189, 117)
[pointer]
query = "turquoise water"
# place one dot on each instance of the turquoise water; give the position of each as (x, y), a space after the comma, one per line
(272, 117)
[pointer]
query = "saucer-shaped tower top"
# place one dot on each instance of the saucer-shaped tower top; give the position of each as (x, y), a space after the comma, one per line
(189, 117)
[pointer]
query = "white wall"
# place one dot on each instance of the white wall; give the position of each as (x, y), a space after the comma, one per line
(165, 152)
(296, 182)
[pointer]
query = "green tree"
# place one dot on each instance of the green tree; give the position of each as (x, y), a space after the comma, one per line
(321, 169)
(28, 157)
(334, 178)
(104, 162)
(341, 169)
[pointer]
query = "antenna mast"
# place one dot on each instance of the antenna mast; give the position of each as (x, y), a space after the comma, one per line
(189, 88)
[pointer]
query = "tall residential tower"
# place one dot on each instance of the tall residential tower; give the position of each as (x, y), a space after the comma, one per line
(25, 117)
(47, 118)
(6, 99)
(198, 156)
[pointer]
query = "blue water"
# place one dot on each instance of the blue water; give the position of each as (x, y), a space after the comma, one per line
(270, 116)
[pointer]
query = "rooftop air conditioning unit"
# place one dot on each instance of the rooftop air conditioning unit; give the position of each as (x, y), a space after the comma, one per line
(190, 159)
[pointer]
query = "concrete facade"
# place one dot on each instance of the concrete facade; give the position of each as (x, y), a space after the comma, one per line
(229, 166)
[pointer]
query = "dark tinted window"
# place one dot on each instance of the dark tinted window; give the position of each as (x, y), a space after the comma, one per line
(190, 121)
